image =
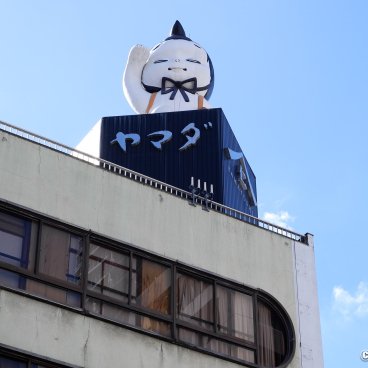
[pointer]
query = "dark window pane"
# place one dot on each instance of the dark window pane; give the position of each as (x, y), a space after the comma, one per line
(151, 285)
(240, 353)
(209, 343)
(60, 254)
(272, 337)
(154, 325)
(53, 293)
(12, 279)
(235, 313)
(108, 272)
(110, 311)
(14, 240)
(6, 362)
(127, 317)
(195, 301)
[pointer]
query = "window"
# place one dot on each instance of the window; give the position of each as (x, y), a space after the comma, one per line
(108, 272)
(141, 291)
(14, 240)
(195, 301)
(151, 290)
(59, 253)
(116, 285)
(151, 285)
(205, 342)
(108, 278)
(235, 314)
(10, 359)
(60, 258)
(272, 336)
(14, 246)
(6, 362)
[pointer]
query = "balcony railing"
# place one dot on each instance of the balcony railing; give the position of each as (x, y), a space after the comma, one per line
(130, 174)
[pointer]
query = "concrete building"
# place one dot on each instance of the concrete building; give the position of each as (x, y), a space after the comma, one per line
(104, 267)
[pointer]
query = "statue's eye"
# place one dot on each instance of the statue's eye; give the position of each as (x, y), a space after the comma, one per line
(193, 61)
(159, 61)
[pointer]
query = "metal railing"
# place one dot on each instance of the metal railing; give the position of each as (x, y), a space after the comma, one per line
(146, 180)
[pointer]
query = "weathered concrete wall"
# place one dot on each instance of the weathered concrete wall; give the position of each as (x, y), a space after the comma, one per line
(87, 196)
(308, 308)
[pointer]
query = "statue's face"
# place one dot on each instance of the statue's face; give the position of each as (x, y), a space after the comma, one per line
(178, 60)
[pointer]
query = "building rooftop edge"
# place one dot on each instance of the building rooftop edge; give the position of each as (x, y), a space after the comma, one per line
(145, 180)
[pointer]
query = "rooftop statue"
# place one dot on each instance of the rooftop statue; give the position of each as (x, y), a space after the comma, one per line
(175, 75)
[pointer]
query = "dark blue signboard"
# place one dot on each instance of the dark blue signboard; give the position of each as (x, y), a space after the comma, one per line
(183, 148)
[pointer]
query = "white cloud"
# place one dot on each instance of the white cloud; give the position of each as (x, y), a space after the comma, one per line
(349, 305)
(280, 218)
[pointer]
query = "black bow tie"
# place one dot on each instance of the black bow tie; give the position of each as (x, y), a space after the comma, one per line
(189, 85)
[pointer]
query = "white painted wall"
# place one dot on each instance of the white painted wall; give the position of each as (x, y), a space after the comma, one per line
(87, 196)
(91, 142)
(307, 296)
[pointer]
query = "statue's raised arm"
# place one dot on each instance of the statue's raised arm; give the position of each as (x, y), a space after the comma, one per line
(132, 84)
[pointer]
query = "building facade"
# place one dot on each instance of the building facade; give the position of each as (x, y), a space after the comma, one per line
(104, 267)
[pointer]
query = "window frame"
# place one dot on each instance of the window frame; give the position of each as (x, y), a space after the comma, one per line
(90, 291)
(176, 268)
(32, 273)
(201, 277)
(30, 359)
(60, 227)
(251, 294)
(26, 241)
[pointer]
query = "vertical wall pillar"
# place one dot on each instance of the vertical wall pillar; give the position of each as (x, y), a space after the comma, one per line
(307, 303)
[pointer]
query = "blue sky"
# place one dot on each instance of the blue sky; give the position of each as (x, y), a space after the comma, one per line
(292, 79)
